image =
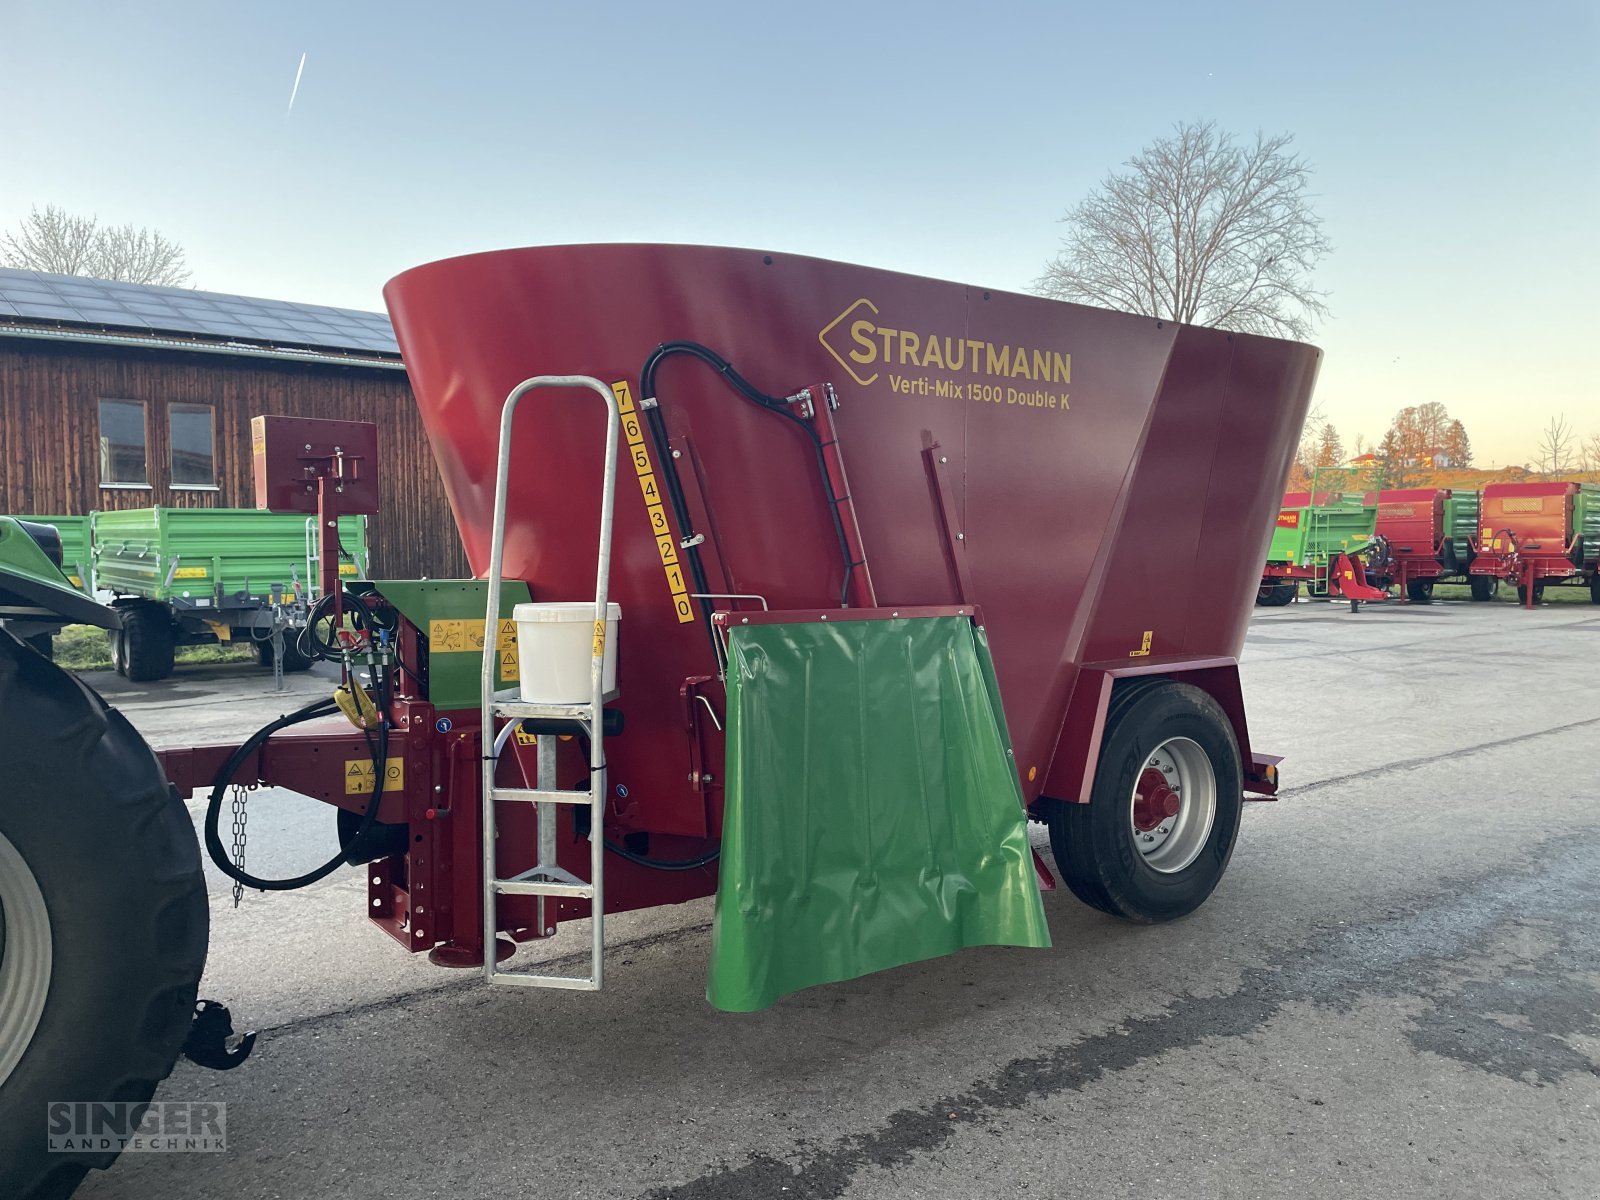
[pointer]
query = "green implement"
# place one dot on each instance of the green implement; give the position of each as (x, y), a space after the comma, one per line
(874, 816)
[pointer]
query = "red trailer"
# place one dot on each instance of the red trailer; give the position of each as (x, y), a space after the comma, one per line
(1536, 535)
(1429, 534)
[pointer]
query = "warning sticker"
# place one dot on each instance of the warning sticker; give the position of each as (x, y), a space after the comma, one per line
(190, 573)
(599, 646)
(465, 636)
(358, 776)
(660, 527)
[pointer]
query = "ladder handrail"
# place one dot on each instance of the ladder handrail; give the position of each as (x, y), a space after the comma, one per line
(491, 661)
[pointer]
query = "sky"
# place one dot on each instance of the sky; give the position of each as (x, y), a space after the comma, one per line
(1455, 148)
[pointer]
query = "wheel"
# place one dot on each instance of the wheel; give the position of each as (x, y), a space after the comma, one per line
(119, 651)
(294, 658)
(1484, 587)
(1522, 594)
(103, 918)
(1419, 591)
(1355, 606)
(1594, 590)
(1277, 593)
(45, 644)
(1164, 810)
(147, 641)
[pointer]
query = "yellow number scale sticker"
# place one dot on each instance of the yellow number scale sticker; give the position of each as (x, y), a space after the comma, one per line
(639, 455)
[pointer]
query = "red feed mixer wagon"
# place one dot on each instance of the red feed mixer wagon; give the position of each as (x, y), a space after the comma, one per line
(1008, 456)
(1538, 535)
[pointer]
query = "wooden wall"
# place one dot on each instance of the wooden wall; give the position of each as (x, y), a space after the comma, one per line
(49, 429)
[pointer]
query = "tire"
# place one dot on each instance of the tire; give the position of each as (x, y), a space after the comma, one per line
(1099, 849)
(147, 641)
(294, 658)
(45, 644)
(1522, 594)
(1594, 590)
(1275, 595)
(119, 652)
(1419, 591)
(1484, 587)
(105, 910)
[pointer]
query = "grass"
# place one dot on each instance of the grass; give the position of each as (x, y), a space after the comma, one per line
(1508, 594)
(86, 648)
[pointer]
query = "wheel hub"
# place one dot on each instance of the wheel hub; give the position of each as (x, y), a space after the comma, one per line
(1173, 805)
(25, 956)
(1154, 801)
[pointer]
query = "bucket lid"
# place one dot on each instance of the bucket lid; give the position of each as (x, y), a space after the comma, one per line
(575, 610)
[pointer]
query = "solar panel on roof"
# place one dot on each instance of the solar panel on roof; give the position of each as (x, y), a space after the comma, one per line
(73, 299)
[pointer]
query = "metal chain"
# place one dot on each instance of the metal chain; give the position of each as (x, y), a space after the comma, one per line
(240, 794)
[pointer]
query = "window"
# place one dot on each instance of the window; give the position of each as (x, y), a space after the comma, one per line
(192, 445)
(123, 461)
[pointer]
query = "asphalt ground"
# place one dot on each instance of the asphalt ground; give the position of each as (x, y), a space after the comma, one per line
(1394, 991)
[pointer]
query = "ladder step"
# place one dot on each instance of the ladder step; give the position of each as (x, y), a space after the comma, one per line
(572, 983)
(557, 712)
(529, 887)
(535, 796)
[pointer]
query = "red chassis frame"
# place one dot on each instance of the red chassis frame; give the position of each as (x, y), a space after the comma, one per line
(428, 896)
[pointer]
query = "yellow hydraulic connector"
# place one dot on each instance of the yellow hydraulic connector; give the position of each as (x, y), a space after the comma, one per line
(354, 703)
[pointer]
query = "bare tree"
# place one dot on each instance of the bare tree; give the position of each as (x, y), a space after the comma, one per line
(1555, 446)
(1200, 230)
(1591, 452)
(55, 241)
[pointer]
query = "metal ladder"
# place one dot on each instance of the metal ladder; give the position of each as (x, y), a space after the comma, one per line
(545, 879)
(314, 557)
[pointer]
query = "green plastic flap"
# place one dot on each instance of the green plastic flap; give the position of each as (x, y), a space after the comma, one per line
(873, 813)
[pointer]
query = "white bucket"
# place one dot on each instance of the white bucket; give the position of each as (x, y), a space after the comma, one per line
(555, 647)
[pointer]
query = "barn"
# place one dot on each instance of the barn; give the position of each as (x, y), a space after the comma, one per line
(121, 395)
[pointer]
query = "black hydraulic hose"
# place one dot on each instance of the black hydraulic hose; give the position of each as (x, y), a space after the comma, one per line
(312, 645)
(668, 864)
(774, 404)
(319, 708)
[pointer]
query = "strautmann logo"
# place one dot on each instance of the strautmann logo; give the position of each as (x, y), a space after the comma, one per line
(929, 363)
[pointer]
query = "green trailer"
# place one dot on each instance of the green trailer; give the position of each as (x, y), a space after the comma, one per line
(1325, 539)
(190, 576)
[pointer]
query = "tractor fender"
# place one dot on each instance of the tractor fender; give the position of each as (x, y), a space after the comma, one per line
(30, 580)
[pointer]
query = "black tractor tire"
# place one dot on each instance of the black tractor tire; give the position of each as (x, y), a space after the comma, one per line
(1522, 594)
(1594, 590)
(45, 644)
(1484, 587)
(148, 641)
(294, 658)
(1095, 844)
(89, 828)
(1419, 591)
(1277, 594)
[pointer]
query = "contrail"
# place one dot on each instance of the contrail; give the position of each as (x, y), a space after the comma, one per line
(295, 91)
